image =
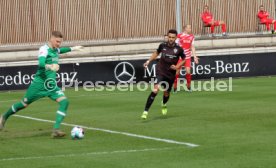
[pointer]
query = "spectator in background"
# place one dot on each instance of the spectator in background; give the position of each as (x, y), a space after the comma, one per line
(209, 21)
(264, 19)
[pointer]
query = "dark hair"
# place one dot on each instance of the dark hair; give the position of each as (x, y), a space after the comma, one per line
(172, 31)
(261, 6)
(57, 34)
(165, 35)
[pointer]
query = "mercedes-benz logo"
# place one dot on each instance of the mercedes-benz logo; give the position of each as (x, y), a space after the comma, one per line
(124, 72)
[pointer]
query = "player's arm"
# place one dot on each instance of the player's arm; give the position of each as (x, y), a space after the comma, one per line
(43, 52)
(180, 64)
(194, 52)
(41, 62)
(64, 50)
(153, 56)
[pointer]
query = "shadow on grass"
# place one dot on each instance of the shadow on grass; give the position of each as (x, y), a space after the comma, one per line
(8, 134)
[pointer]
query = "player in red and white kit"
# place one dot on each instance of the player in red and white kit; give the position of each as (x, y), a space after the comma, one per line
(186, 41)
(264, 19)
(209, 21)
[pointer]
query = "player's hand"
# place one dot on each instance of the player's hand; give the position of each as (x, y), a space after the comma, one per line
(174, 67)
(52, 67)
(196, 59)
(77, 48)
(146, 64)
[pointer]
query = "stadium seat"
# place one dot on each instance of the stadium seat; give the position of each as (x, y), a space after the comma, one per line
(203, 29)
(260, 27)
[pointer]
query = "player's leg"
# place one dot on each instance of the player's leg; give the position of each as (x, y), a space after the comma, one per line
(188, 73)
(151, 98)
(32, 94)
(62, 111)
(175, 84)
(166, 96)
(176, 77)
(223, 27)
(267, 24)
(12, 110)
(58, 96)
(274, 26)
(212, 27)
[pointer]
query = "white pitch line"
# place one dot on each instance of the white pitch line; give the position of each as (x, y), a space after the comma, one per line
(85, 154)
(116, 132)
(83, 95)
(4, 101)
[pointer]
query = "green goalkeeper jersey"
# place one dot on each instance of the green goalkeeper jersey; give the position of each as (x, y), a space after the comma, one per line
(48, 55)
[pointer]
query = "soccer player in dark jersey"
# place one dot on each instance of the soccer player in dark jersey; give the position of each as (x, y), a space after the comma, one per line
(44, 83)
(166, 68)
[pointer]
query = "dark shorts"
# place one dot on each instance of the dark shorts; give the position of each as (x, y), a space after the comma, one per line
(165, 82)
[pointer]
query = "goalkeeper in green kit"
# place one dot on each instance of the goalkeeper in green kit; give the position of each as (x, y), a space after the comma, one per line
(44, 83)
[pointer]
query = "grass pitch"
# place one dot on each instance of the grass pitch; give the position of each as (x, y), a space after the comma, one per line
(233, 130)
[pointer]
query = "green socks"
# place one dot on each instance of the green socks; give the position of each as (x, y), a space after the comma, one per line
(14, 108)
(61, 113)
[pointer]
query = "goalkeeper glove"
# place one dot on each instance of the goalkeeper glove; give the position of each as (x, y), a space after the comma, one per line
(77, 48)
(52, 67)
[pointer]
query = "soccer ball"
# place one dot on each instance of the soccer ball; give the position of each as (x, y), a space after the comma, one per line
(77, 133)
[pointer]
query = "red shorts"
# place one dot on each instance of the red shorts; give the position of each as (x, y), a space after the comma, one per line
(187, 62)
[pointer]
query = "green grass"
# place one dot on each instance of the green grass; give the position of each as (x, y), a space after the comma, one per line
(234, 130)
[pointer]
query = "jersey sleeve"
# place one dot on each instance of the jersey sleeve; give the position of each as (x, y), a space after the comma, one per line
(41, 62)
(43, 52)
(159, 49)
(64, 50)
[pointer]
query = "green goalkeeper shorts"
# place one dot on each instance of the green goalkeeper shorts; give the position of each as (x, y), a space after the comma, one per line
(39, 90)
